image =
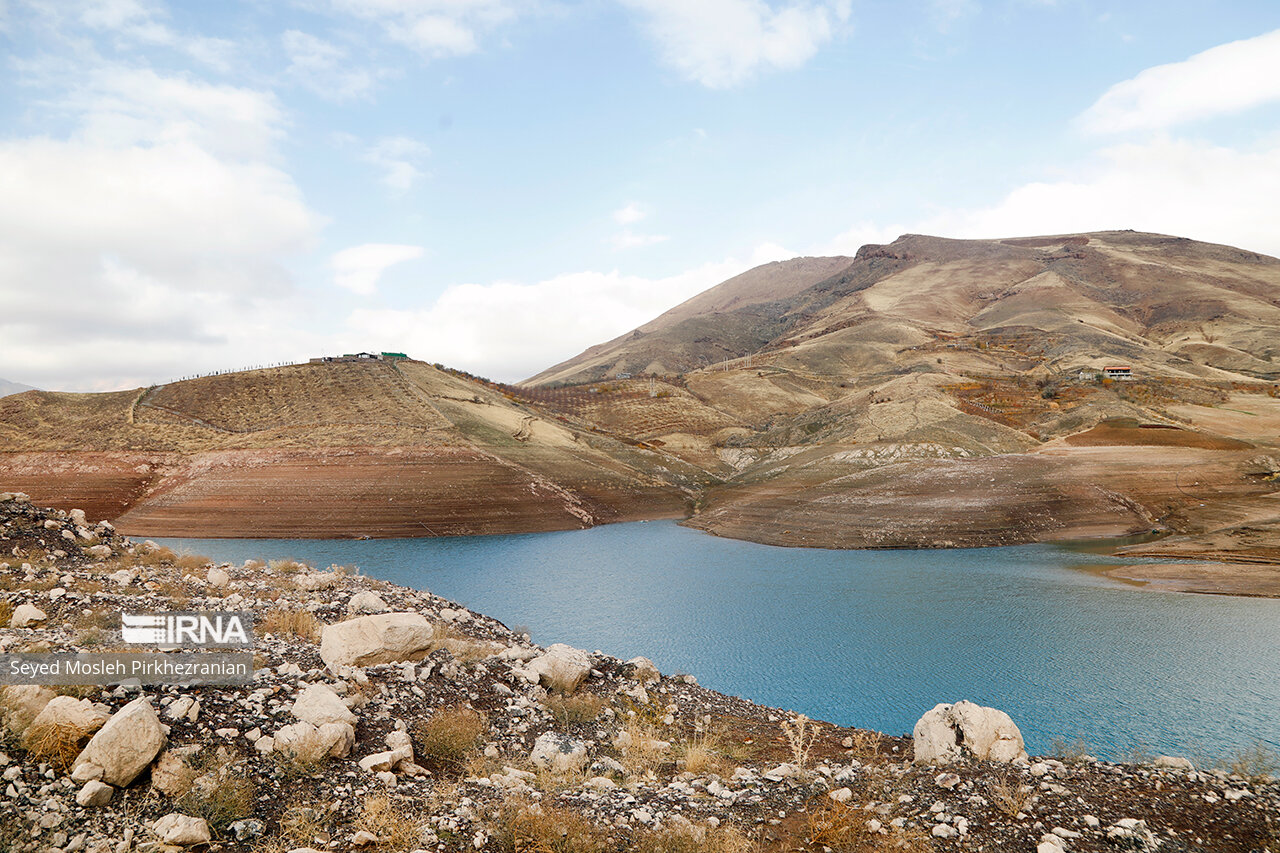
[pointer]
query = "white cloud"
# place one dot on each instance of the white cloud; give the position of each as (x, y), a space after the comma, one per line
(1226, 79)
(324, 67)
(509, 330)
(152, 238)
(359, 267)
(628, 215)
(628, 239)
(434, 28)
(1185, 188)
(399, 158)
(721, 43)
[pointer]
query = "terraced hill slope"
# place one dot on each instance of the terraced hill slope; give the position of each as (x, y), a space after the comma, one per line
(377, 449)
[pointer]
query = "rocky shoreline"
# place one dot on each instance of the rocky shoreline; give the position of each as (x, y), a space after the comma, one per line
(387, 719)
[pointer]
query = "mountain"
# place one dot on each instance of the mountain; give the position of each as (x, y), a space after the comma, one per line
(375, 448)
(925, 393)
(7, 388)
(937, 392)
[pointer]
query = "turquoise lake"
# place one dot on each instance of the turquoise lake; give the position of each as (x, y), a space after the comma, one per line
(867, 638)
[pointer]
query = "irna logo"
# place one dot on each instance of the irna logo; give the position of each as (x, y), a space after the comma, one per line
(187, 629)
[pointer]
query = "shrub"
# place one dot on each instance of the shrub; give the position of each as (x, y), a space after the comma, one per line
(800, 732)
(574, 710)
(391, 821)
(191, 562)
(1258, 763)
(296, 623)
(448, 737)
(56, 743)
(687, 838)
(530, 828)
(218, 794)
(1009, 795)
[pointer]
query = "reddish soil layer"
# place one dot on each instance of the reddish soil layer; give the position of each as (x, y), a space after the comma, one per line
(290, 494)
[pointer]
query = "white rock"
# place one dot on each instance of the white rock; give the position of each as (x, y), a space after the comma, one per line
(559, 753)
(99, 552)
(218, 577)
(22, 703)
(381, 638)
(25, 615)
(307, 743)
(366, 601)
(86, 772)
(77, 518)
(126, 744)
(1050, 844)
(66, 713)
(1171, 762)
(948, 732)
(561, 667)
(94, 793)
(172, 773)
(318, 704)
(313, 581)
(182, 830)
(645, 670)
(944, 830)
(841, 795)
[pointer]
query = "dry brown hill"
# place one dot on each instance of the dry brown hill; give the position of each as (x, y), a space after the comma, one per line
(930, 392)
(339, 449)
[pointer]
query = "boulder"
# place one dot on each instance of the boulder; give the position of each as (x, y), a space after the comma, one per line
(643, 670)
(309, 744)
(25, 615)
(366, 602)
(126, 744)
(21, 703)
(94, 793)
(381, 638)
(182, 830)
(66, 715)
(218, 578)
(559, 753)
(98, 552)
(173, 774)
(560, 668)
(949, 732)
(318, 704)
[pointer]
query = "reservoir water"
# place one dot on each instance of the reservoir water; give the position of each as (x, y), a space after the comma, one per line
(867, 638)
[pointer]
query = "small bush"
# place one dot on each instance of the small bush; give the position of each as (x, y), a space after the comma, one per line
(574, 710)
(531, 828)
(687, 838)
(1009, 795)
(288, 567)
(56, 743)
(287, 622)
(1258, 763)
(800, 732)
(218, 794)
(392, 822)
(702, 754)
(1069, 752)
(191, 562)
(153, 557)
(448, 737)
(6, 613)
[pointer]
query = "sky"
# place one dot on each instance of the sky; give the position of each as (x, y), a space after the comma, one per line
(188, 187)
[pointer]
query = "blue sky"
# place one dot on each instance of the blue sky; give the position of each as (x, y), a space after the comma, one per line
(497, 184)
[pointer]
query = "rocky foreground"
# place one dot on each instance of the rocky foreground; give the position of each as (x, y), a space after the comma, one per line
(386, 719)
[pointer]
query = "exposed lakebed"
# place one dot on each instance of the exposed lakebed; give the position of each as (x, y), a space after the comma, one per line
(867, 638)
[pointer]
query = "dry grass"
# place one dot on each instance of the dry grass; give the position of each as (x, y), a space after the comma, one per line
(645, 750)
(1258, 763)
(283, 621)
(191, 562)
(530, 828)
(300, 826)
(703, 754)
(218, 793)
(839, 826)
(448, 738)
(153, 557)
(694, 839)
(1009, 795)
(866, 743)
(574, 710)
(391, 820)
(56, 743)
(288, 567)
(800, 732)
(1069, 751)
(6, 613)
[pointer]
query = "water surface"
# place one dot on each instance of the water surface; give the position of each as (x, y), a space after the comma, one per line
(867, 638)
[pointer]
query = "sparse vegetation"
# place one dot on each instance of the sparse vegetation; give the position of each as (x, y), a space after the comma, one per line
(1009, 794)
(573, 710)
(444, 741)
(56, 743)
(219, 793)
(290, 622)
(393, 821)
(1258, 763)
(520, 827)
(800, 733)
